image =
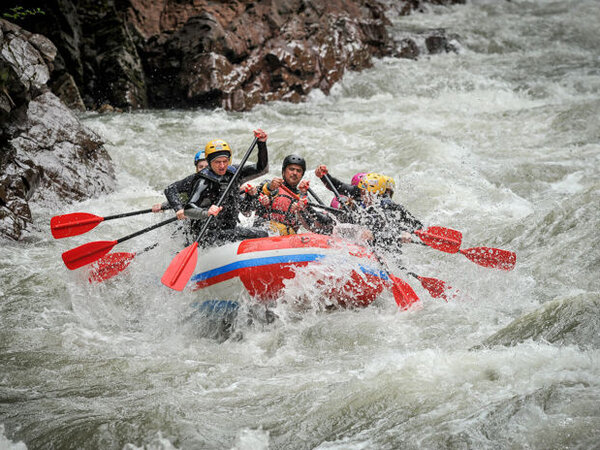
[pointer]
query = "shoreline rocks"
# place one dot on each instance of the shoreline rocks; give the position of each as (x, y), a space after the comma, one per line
(232, 55)
(45, 151)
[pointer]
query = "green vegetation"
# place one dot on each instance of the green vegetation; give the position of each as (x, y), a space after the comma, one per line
(18, 12)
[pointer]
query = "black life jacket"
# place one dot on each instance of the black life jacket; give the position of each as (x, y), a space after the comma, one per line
(208, 189)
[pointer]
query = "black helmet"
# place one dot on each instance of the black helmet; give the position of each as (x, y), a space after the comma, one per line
(294, 159)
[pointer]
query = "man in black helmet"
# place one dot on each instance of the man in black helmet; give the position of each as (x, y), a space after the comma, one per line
(286, 202)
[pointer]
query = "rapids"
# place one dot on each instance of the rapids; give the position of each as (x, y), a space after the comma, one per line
(500, 140)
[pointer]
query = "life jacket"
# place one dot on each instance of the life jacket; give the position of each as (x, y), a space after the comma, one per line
(281, 219)
(207, 190)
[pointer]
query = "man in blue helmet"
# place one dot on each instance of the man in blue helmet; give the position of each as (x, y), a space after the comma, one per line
(200, 163)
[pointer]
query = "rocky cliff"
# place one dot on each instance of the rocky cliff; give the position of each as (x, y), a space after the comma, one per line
(233, 54)
(45, 152)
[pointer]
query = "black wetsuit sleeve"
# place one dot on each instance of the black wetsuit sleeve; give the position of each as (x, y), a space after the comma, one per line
(403, 218)
(342, 188)
(252, 171)
(318, 221)
(173, 190)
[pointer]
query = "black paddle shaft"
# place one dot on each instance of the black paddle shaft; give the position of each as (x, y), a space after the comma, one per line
(336, 193)
(133, 213)
(316, 197)
(145, 230)
(228, 188)
(326, 208)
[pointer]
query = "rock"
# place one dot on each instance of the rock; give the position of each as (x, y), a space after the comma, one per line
(564, 321)
(64, 87)
(45, 152)
(21, 63)
(138, 54)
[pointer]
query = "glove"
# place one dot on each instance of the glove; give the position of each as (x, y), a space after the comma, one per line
(321, 170)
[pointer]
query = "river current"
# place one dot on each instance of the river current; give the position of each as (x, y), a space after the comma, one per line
(500, 140)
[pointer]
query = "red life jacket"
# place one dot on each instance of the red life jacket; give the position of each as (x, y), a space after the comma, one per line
(282, 201)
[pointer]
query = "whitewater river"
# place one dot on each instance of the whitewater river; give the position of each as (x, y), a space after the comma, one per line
(500, 140)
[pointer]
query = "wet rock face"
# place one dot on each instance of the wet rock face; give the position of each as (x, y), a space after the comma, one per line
(565, 321)
(241, 54)
(236, 54)
(45, 152)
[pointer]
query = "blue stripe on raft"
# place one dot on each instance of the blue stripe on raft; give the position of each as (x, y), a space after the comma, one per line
(256, 262)
(377, 273)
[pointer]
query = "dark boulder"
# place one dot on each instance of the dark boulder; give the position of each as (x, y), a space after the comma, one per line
(168, 53)
(45, 152)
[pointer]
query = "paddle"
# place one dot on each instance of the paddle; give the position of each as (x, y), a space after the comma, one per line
(112, 264)
(440, 238)
(401, 290)
(74, 224)
(316, 197)
(437, 288)
(92, 251)
(326, 208)
(449, 241)
(181, 268)
(494, 258)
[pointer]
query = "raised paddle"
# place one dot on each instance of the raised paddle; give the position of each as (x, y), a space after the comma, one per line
(181, 268)
(326, 208)
(77, 223)
(92, 251)
(403, 293)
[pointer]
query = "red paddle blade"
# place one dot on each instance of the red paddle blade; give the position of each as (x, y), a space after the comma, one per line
(73, 224)
(437, 288)
(110, 265)
(403, 293)
(440, 238)
(181, 268)
(86, 253)
(491, 257)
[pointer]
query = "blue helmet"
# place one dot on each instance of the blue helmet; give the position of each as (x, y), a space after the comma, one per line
(199, 156)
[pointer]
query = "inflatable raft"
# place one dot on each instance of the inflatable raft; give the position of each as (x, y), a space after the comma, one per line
(266, 268)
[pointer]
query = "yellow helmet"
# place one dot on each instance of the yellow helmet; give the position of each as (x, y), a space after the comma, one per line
(374, 183)
(390, 184)
(216, 148)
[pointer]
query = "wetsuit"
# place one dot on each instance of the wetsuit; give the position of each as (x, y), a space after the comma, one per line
(383, 217)
(205, 188)
(285, 222)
